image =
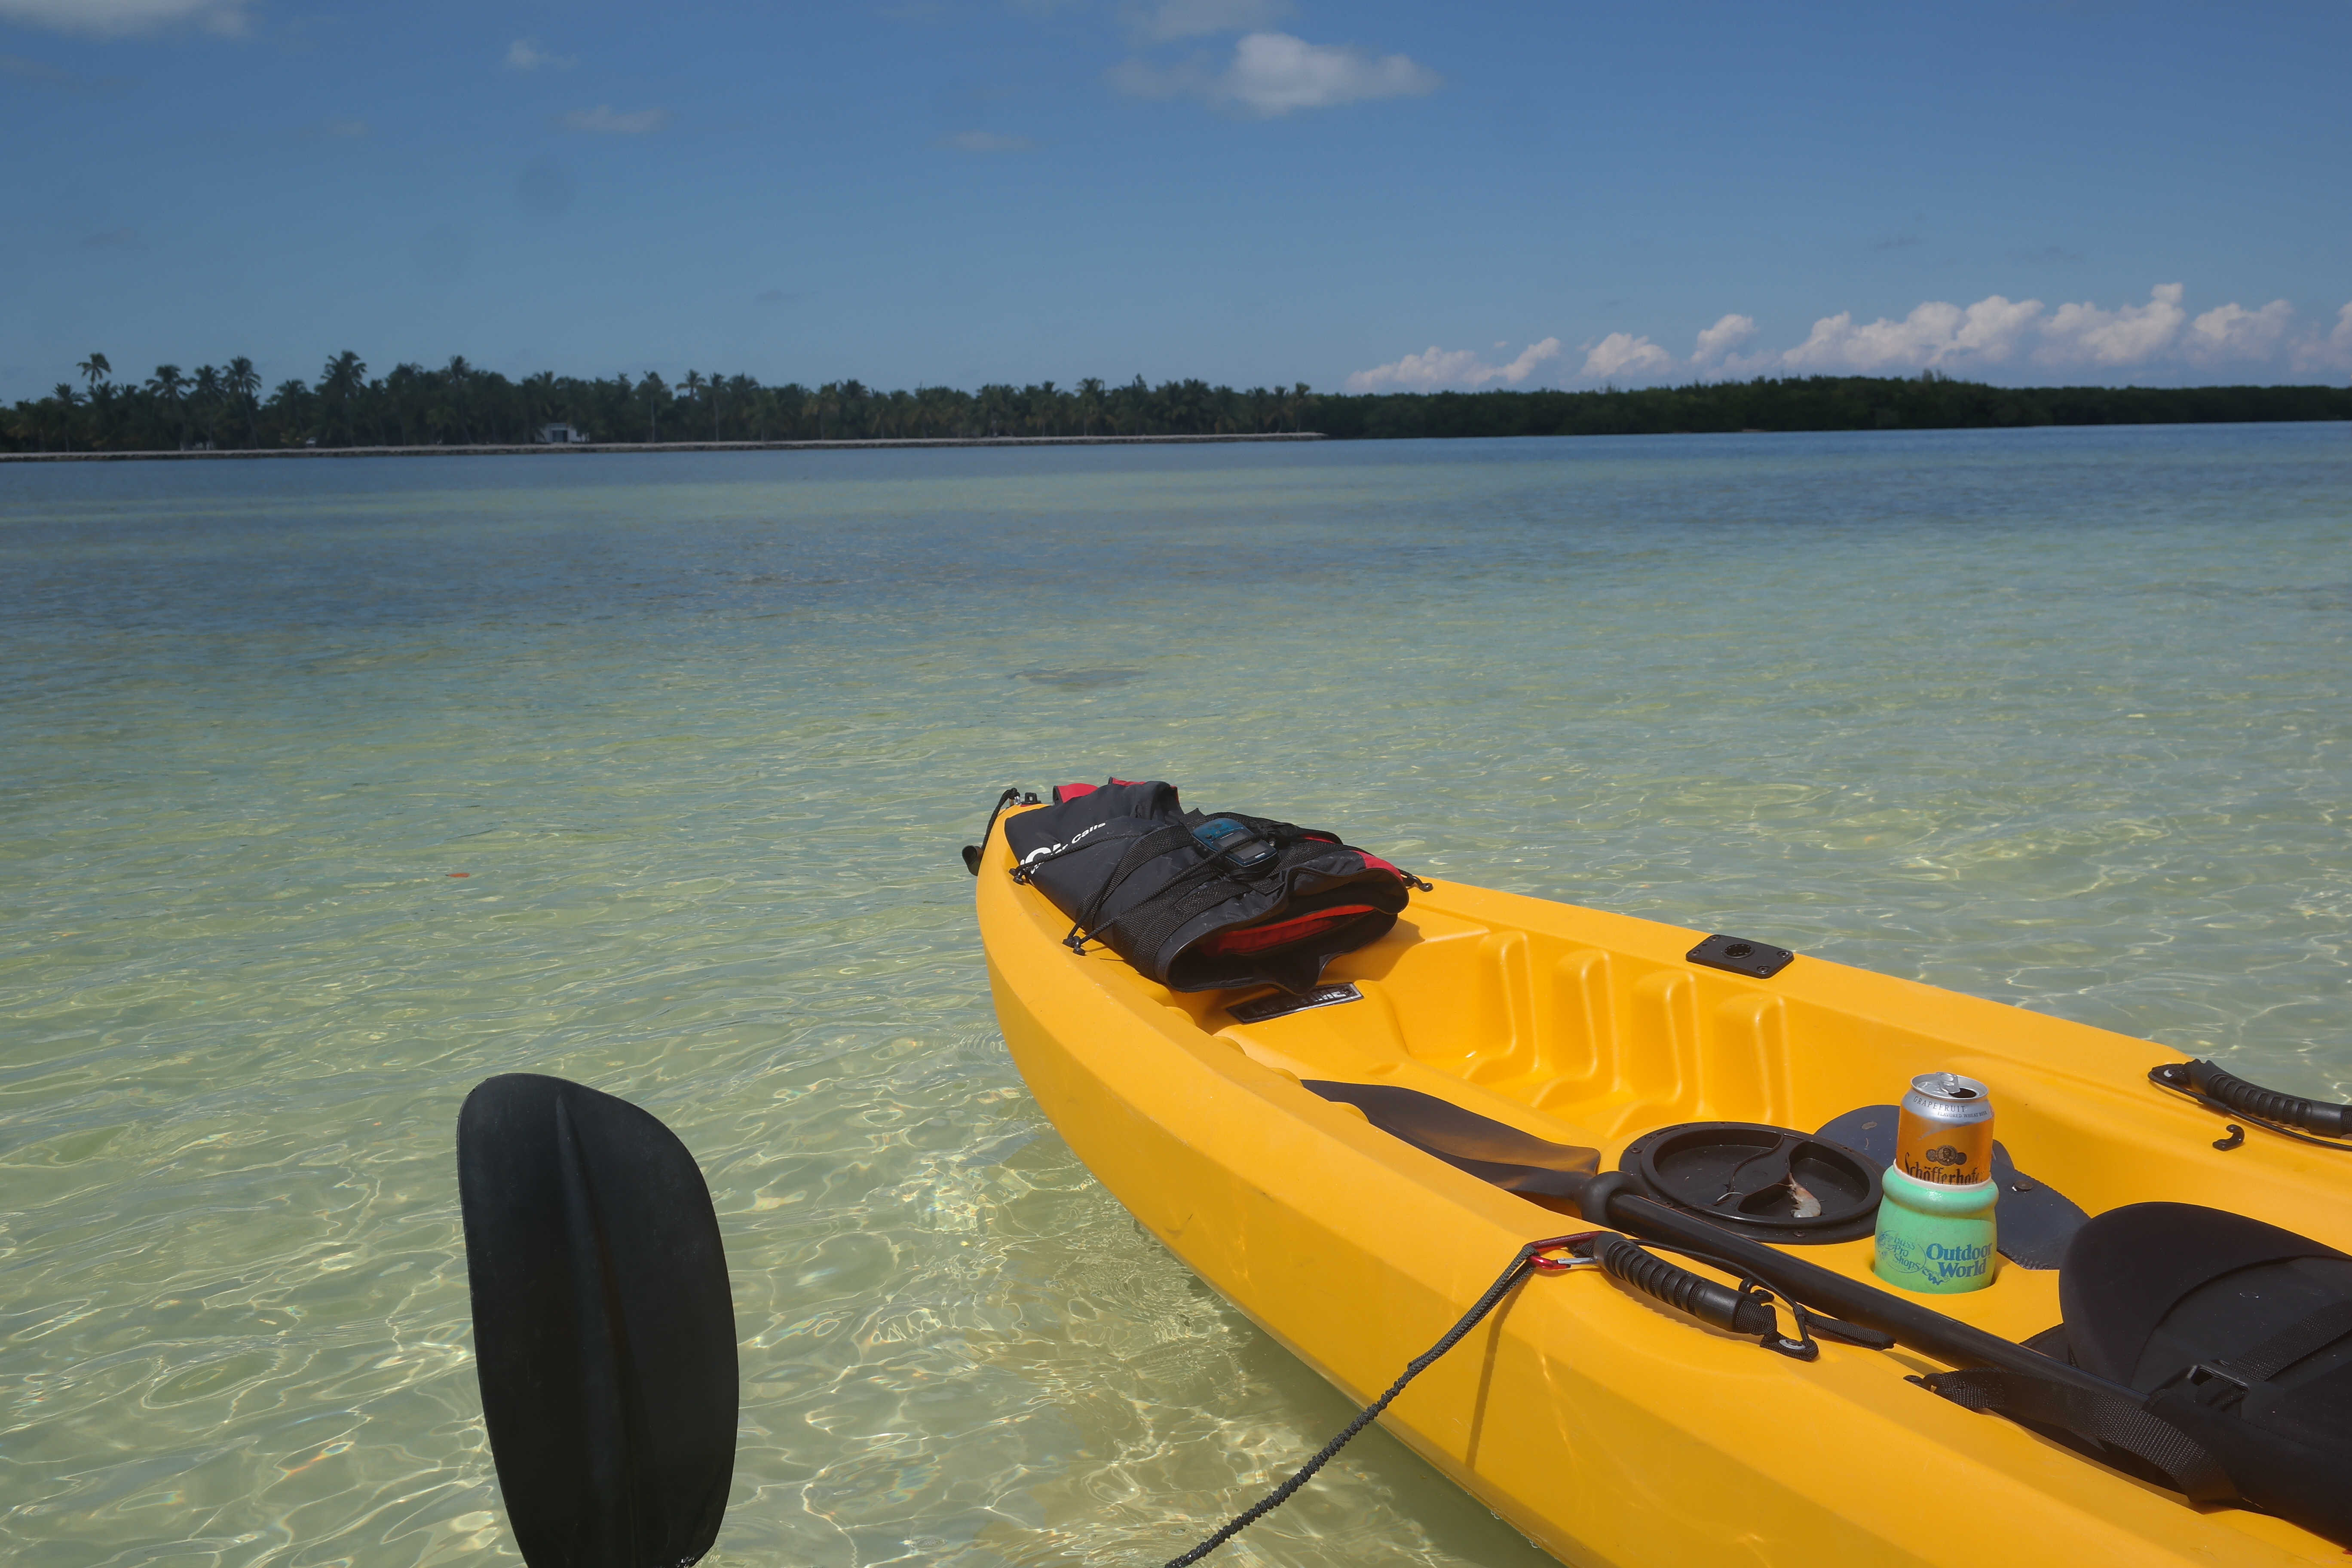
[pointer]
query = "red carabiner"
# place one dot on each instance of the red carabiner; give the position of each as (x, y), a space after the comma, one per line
(1550, 1265)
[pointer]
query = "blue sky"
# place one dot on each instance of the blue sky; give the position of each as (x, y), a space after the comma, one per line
(1248, 191)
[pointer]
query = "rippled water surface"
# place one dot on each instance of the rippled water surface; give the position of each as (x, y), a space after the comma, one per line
(332, 788)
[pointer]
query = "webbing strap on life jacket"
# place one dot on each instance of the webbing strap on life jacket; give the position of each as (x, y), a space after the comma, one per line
(1145, 848)
(2184, 1462)
(1151, 921)
(1156, 918)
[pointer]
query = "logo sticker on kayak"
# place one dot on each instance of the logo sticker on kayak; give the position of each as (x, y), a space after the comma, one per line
(1282, 1003)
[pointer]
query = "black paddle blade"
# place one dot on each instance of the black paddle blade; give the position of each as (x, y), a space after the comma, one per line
(603, 1332)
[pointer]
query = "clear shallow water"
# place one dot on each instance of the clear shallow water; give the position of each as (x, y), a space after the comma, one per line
(2059, 718)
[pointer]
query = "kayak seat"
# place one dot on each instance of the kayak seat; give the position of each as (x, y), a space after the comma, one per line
(2034, 1222)
(2151, 1290)
(1535, 1168)
(2239, 1336)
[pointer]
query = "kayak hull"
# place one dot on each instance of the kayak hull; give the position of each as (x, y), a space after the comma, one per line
(1604, 1426)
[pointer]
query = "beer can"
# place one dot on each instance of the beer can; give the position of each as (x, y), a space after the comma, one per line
(1944, 1132)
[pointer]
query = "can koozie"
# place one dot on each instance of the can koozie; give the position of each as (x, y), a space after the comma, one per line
(1935, 1238)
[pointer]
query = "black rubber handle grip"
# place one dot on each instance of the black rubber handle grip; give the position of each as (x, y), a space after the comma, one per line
(1685, 1291)
(2253, 1099)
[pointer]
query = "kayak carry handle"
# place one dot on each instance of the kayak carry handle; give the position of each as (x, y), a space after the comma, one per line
(2269, 1104)
(1735, 1312)
(2289, 1115)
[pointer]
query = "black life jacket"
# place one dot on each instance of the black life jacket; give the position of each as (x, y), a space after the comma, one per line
(1122, 861)
(2237, 1335)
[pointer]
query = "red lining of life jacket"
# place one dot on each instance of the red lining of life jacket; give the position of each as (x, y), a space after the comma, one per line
(1257, 939)
(1073, 791)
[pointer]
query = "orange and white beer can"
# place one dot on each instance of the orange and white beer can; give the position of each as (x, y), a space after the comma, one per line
(1944, 1133)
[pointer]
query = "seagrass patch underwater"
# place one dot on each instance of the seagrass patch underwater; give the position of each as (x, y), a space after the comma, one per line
(331, 789)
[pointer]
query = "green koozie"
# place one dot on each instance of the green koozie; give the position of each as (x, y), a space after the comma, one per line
(1936, 1239)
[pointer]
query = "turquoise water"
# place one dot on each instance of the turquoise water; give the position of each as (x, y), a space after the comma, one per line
(2055, 717)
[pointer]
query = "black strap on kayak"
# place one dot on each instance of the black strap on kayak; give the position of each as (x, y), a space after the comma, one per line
(1528, 1261)
(2312, 1332)
(2180, 1459)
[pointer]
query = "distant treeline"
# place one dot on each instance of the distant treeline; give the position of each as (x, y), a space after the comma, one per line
(456, 404)
(1927, 402)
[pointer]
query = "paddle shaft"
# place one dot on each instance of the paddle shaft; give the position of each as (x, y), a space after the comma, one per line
(1930, 1332)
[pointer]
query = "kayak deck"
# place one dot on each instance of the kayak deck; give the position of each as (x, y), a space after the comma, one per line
(1607, 1428)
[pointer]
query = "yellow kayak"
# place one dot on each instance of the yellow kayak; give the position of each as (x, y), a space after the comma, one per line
(1605, 1426)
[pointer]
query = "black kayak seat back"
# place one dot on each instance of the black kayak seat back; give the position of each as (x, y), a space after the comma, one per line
(2150, 1289)
(2231, 1343)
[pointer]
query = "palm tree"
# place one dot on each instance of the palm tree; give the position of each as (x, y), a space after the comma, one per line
(693, 384)
(340, 382)
(244, 384)
(400, 390)
(208, 391)
(984, 405)
(536, 394)
(167, 384)
(653, 394)
(291, 400)
(94, 370)
(373, 402)
(65, 394)
(740, 388)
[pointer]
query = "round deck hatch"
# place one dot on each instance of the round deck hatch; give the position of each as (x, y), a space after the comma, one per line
(1774, 1183)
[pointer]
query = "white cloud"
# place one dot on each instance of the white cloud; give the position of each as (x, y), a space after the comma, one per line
(1995, 338)
(1621, 353)
(116, 18)
(2133, 336)
(2231, 332)
(603, 119)
(1932, 334)
(1723, 337)
(2332, 352)
(986, 141)
(1519, 369)
(1274, 73)
(525, 55)
(1197, 18)
(1937, 333)
(1450, 367)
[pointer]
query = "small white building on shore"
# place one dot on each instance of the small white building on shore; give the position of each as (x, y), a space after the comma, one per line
(562, 435)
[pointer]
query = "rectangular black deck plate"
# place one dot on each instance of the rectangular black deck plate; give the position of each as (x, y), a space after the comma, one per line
(1259, 1010)
(1756, 960)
